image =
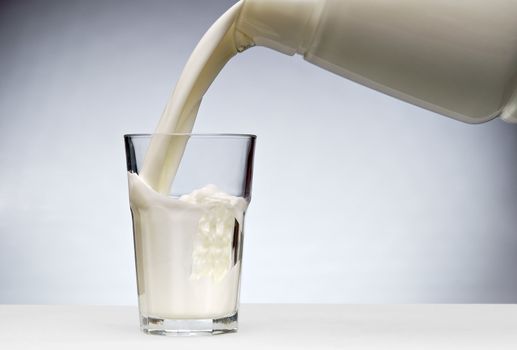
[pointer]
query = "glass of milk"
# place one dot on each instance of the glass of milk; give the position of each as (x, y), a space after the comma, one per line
(188, 239)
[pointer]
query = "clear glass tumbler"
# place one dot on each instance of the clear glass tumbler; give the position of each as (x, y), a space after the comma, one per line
(188, 241)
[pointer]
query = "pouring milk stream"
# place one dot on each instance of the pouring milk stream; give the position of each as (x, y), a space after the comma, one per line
(458, 59)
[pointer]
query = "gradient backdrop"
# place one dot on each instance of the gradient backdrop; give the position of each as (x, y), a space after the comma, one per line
(357, 197)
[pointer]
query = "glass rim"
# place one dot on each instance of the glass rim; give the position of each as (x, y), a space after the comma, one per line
(200, 135)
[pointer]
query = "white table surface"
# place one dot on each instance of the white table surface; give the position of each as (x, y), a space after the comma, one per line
(270, 326)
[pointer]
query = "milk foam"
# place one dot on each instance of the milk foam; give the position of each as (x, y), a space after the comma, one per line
(217, 229)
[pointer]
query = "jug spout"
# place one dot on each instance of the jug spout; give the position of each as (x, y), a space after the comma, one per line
(281, 25)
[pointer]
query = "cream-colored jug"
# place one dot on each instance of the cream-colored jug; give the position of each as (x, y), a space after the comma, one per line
(456, 58)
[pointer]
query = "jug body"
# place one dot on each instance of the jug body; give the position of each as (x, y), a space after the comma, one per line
(458, 58)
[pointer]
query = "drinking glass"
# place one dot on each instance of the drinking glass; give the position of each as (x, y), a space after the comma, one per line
(188, 238)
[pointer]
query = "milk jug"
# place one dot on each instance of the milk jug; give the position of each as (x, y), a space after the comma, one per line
(456, 58)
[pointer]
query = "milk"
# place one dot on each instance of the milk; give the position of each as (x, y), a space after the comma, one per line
(188, 251)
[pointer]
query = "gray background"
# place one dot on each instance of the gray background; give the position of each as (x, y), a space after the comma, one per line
(357, 197)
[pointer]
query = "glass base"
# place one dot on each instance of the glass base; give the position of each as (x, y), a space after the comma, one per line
(171, 327)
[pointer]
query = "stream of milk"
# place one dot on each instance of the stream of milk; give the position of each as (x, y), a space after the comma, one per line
(212, 52)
